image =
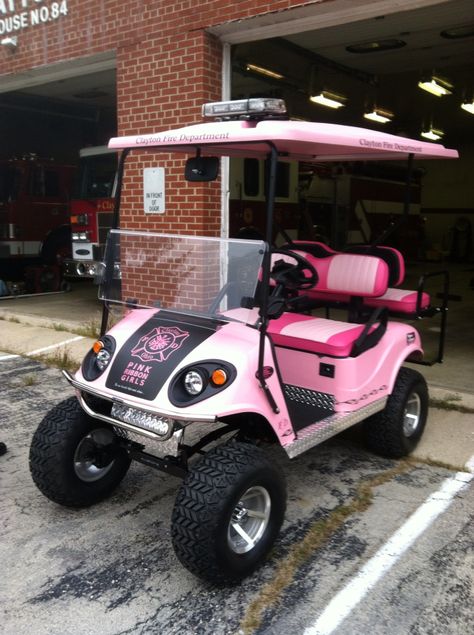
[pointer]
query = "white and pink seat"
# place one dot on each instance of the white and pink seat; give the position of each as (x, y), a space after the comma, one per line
(339, 276)
(396, 300)
(321, 335)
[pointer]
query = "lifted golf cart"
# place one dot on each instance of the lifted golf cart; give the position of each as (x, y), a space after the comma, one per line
(212, 352)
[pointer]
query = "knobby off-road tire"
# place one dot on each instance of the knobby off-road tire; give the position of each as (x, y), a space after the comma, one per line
(74, 459)
(228, 512)
(395, 431)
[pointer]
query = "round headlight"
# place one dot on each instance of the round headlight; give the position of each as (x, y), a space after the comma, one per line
(102, 359)
(193, 382)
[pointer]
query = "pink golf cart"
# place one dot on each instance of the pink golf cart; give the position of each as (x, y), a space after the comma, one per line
(223, 344)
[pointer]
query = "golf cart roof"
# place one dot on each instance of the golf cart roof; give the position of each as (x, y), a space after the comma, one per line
(297, 140)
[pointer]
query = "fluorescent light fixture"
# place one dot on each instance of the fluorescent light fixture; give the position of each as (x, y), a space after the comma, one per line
(264, 71)
(468, 106)
(455, 33)
(433, 134)
(330, 100)
(436, 86)
(379, 115)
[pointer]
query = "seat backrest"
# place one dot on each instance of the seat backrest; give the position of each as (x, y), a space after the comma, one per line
(393, 258)
(350, 274)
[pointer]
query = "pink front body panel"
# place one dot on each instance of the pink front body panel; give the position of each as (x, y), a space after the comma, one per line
(234, 342)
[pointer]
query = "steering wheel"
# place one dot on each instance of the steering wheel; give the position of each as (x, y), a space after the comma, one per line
(297, 275)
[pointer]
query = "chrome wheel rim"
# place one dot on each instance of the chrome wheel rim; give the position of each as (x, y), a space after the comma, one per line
(249, 519)
(411, 414)
(86, 452)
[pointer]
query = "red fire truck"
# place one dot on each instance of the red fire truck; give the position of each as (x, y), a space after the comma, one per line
(91, 211)
(34, 210)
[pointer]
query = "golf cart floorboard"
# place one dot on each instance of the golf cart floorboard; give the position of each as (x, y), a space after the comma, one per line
(324, 429)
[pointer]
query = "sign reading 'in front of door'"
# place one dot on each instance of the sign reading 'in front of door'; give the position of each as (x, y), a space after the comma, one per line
(154, 190)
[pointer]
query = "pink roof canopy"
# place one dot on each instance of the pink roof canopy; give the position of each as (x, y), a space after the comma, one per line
(293, 139)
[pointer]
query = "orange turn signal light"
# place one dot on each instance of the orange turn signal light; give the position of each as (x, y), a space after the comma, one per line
(219, 377)
(74, 220)
(98, 346)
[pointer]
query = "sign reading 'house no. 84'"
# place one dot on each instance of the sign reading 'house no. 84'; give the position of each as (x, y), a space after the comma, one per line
(17, 15)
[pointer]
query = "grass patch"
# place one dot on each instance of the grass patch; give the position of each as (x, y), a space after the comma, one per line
(447, 404)
(90, 329)
(59, 359)
(10, 318)
(29, 380)
(318, 534)
(435, 463)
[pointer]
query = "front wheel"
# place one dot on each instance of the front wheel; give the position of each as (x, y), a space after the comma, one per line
(228, 513)
(395, 431)
(75, 460)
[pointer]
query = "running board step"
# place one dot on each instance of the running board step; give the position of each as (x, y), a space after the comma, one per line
(324, 429)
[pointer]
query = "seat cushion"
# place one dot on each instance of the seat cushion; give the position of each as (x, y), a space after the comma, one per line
(314, 334)
(399, 301)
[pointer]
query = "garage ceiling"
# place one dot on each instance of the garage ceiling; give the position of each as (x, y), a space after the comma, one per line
(315, 59)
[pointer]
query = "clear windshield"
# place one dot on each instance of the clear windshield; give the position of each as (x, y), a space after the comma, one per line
(201, 276)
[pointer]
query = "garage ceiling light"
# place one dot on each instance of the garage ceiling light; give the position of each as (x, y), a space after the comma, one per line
(468, 106)
(433, 134)
(379, 115)
(436, 86)
(264, 71)
(328, 99)
(458, 32)
(376, 46)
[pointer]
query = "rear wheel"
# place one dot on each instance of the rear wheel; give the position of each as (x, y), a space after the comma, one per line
(395, 431)
(228, 513)
(75, 460)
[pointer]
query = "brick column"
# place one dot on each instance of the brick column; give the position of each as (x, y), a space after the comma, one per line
(162, 82)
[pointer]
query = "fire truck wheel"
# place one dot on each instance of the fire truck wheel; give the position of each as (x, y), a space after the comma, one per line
(395, 431)
(75, 460)
(57, 246)
(228, 513)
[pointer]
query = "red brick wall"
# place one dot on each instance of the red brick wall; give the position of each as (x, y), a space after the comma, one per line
(167, 66)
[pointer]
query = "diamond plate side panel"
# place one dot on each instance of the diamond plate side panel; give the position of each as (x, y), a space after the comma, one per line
(320, 431)
(309, 397)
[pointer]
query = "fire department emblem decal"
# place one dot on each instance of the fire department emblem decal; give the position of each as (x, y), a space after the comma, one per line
(159, 344)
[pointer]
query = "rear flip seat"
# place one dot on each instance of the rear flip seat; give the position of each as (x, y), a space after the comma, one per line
(397, 301)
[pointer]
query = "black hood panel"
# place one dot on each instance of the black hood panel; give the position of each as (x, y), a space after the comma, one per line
(150, 355)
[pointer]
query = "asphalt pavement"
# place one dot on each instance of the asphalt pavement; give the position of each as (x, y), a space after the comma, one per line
(110, 569)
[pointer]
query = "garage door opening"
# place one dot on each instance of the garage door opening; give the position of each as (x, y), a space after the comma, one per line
(44, 128)
(373, 68)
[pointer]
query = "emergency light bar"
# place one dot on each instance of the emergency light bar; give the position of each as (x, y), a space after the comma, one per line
(255, 107)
